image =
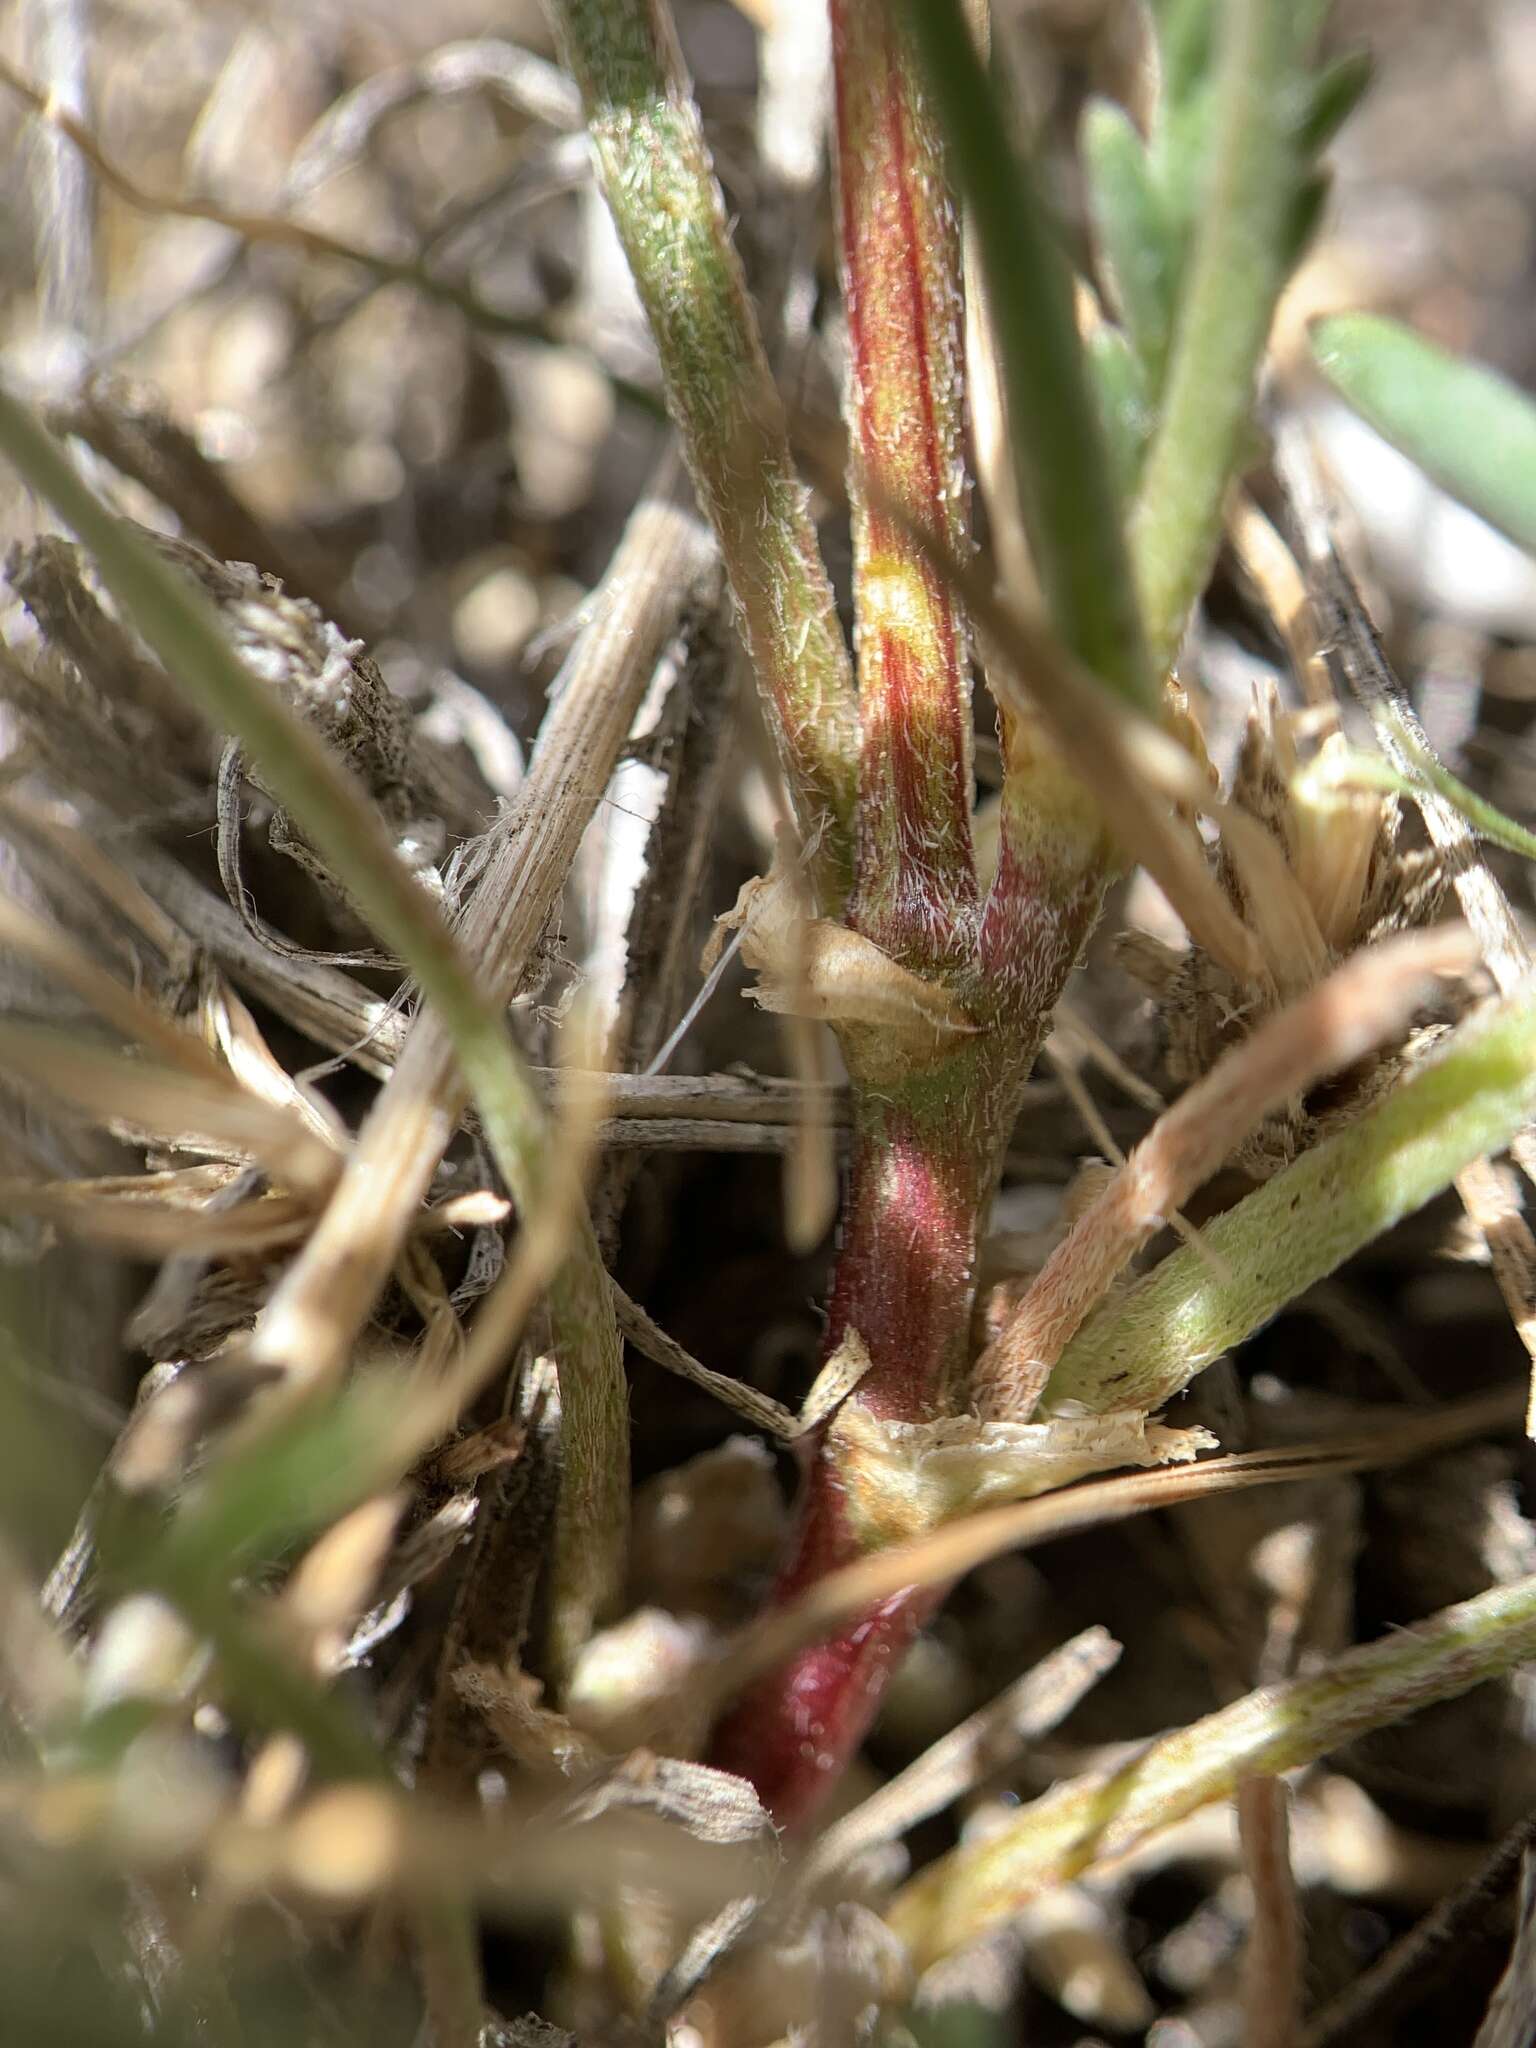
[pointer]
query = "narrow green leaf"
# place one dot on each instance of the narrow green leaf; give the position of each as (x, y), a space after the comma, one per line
(1066, 482)
(1178, 158)
(1237, 265)
(1308, 205)
(1360, 770)
(1185, 31)
(1336, 92)
(979, 1886)
(1120, 379)
(259, 1500)
(1138, 249)
(1469, 429)
(1139, 1351)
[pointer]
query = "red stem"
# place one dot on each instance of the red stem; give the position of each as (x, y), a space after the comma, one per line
(904, 1284)
(928, 1141)
(915, 892)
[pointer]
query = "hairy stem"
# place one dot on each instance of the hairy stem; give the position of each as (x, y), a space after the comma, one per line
(660, 185)
(925, 1163)
(916, 887)
(1092, 1819)
(903, 1287)
(927, 1140)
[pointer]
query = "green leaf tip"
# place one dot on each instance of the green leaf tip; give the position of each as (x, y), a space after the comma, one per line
(1469, 429)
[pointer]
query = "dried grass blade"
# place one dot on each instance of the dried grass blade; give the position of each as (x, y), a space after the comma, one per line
(114, 1089)
(52, 949)
(1273, 1958)
(151, 1225)
(1435, 1943)
(323, 1300)
(652, 1342)
(540, 1249)
(326, 1005)
(1339, 620)
(54, 825)
(469, 1028)
(352, 1844)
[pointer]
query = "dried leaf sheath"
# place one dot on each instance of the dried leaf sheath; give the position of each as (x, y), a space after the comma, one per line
(916, 887)
(659, 182)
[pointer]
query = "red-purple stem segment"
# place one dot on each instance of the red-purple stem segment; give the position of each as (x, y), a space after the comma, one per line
(929, 1136)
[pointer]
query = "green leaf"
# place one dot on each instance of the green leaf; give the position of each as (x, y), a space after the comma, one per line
(1469, 429)
(1139, 251)
(266, 1494)
(1142, 1348)
(1124, 403)
(1066, 483)
(1308, 205)
(1179, 159)
(1185, 36)
(1247, 183)
(1336, 92)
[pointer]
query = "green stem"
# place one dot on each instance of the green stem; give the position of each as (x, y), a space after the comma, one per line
(1140, 1351)
(1238, 265)
(659, 181)
(1093, 1819)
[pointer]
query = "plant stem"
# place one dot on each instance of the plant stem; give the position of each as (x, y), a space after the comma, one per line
(926, 1157)
(1299, 1227)
(660, 184)
(1280, 1728)
(916, 886)
(903, 1285)
(1236, 270)
(927, 1137)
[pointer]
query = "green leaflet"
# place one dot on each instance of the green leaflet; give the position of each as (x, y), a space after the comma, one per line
(1141, 1350)
(1469, 429)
